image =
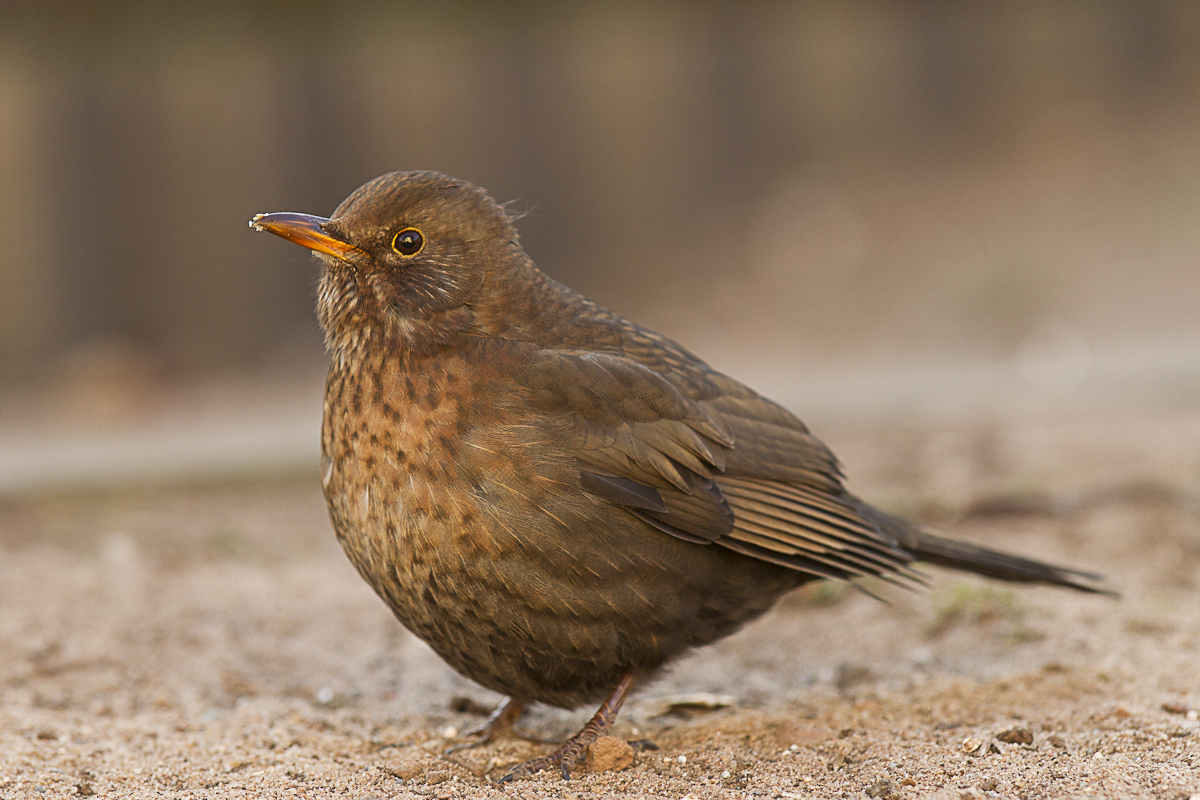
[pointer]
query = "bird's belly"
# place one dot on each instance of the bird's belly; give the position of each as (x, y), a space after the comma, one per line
(510, 572)
(550, 606)
(500, 600)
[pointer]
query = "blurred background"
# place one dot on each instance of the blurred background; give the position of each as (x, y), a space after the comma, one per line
(858, 207)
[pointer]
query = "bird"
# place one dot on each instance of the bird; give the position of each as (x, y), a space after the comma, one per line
(557, 500)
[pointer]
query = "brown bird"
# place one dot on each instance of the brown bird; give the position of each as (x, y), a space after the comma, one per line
(557, 500)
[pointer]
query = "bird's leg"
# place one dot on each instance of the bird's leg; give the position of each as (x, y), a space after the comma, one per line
(499, 725)
(574, 748)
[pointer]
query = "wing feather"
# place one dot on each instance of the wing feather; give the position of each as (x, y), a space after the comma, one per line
(703, 458)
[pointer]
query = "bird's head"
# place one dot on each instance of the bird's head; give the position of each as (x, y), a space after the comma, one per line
(406, 257)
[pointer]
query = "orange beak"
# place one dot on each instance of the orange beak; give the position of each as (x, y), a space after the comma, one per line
(306, 231)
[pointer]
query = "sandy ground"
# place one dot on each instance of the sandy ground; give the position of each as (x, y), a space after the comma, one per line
(213, 642)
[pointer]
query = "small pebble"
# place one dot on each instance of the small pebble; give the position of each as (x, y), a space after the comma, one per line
(609, 753)
(406, 770)
(1016, 736)
(980, 747)
(883, 789)
(682, 759)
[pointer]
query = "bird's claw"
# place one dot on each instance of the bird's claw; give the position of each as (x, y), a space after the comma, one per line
(564, 757)
(498, 726)
(484, 738)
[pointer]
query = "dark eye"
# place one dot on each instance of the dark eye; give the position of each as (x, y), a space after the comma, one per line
(408, 242)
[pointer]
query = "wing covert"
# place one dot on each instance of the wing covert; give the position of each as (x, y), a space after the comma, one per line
(710, 462)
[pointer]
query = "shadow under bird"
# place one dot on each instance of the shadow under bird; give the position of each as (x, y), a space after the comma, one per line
(556, 499)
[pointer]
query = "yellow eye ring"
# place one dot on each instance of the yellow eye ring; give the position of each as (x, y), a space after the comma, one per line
(408, 242)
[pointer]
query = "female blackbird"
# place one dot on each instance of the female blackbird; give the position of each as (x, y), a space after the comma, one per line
(554, 498)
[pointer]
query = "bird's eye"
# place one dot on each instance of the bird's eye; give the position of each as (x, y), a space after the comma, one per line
(408, 242)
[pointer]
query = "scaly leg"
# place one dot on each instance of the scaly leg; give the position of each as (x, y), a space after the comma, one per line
(498, 726)
(574, 748)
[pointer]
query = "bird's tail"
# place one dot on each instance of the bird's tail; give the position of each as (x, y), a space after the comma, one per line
(955, 554)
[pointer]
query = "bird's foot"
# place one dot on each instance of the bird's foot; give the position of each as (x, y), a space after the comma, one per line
(575, 748)
(564, 757)
(498, 726)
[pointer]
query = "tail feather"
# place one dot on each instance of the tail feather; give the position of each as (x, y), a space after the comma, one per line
(955, 554)
(996, 564)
